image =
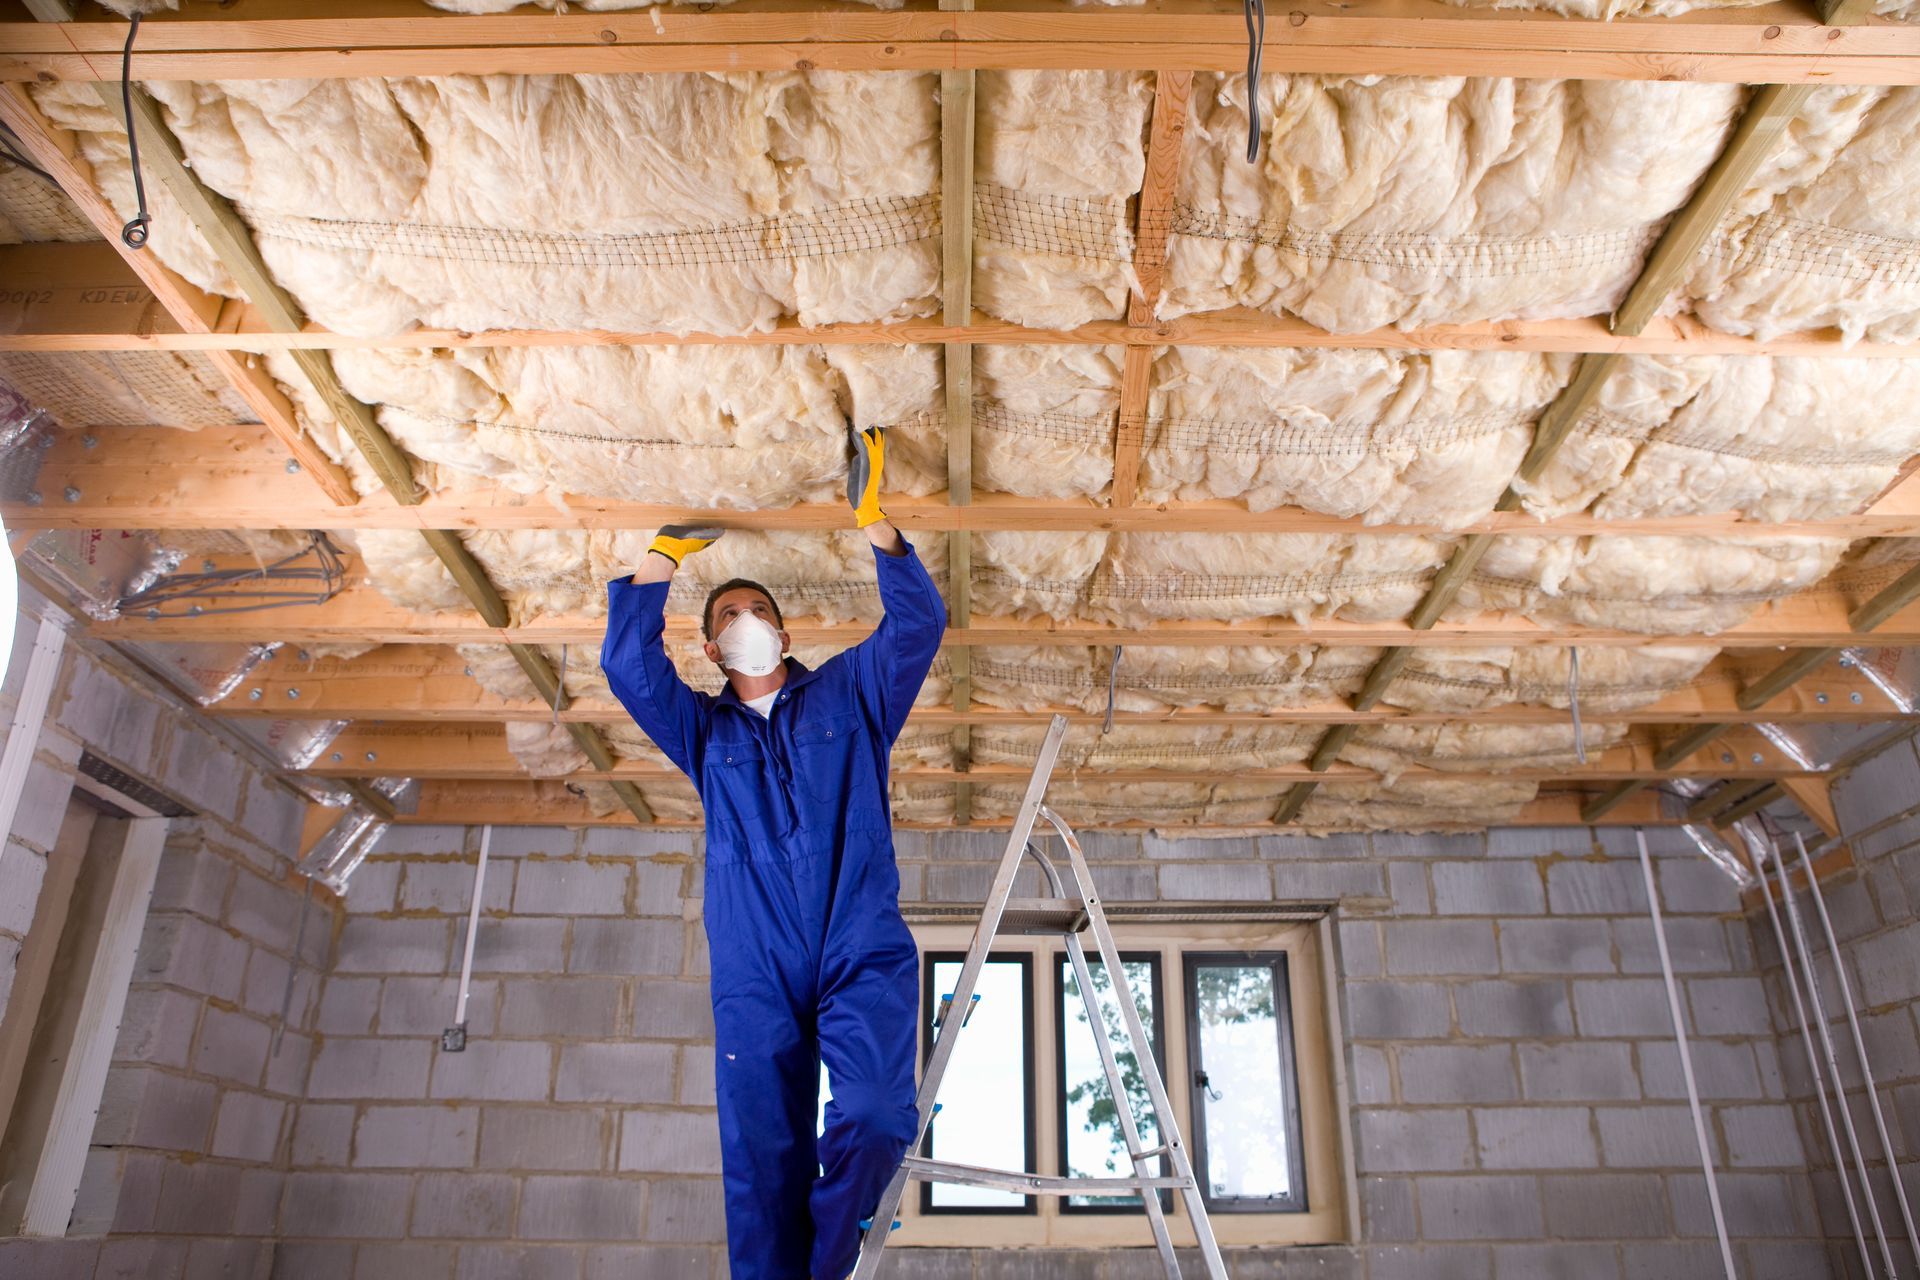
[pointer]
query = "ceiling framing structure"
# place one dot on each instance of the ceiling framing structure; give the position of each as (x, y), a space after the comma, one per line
(441, 727)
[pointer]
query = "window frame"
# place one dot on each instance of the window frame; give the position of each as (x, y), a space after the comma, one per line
(1061, 962)
(1307, 934)
(1277, 963)
(929, 1006)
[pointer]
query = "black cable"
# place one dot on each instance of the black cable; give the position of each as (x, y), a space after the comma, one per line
(134, 234)
(13, 157)
(1256, 39)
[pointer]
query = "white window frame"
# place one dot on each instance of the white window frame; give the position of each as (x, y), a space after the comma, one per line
(1332, 1197)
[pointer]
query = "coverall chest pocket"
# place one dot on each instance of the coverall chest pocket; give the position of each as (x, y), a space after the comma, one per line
(736, 778)
(825, 754)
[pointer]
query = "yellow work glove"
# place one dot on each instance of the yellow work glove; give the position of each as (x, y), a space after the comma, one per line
(678, 541)
(866, 453)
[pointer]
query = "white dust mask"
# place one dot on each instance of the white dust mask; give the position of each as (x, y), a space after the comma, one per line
(749, 645)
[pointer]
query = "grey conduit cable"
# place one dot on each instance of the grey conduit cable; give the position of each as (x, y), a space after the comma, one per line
(134, 234)
(1686, 1058)
(1256, 14)
(1859, 1046)
(1573, 701)
(1833, 1059)
(1113, 676)
(1813, 1065)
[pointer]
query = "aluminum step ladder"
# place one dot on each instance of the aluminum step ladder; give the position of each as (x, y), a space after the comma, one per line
(1068, 914)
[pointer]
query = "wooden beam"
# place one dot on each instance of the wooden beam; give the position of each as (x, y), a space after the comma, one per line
(1610, 800)
(1719, 798)
(419, 683)
(530, 803)
(360, 614)
(1130, 424)
(228, 477)
(85, 297)
(232, 243)
(1772, 43)
(1166, 143)
(1782, 677)
(1887, 602)
(1750, 806)
(479, 752)
(1815, 798)
(956, 263)
(189, 308)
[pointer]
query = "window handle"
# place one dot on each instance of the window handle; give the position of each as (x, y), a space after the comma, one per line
(1200, 1081)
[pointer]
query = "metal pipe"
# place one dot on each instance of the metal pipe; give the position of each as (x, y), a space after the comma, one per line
(1833, 1061)
(473, 922)
(1686, 1058)
(1859, 1047)
(1813, 1067)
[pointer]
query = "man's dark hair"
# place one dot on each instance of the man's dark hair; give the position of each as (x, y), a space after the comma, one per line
(735, 584)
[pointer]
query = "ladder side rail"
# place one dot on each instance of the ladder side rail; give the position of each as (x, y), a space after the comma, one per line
(948, 1033)
(1170, 1134)
(1143, 1164)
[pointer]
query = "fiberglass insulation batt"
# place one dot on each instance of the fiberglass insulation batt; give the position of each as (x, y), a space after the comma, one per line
(719, 202)
(1408, 201)
(1828, 232)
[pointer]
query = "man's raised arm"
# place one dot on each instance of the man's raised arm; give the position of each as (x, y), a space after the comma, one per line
(634, 653)
(893, 662)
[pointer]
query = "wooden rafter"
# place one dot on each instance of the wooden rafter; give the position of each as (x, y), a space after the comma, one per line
(416, 683)
(1774, 43)
(223, 477)
(189, 308)
(83, 297)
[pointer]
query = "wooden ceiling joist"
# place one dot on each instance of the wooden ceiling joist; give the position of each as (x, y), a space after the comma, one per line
(531, 803)
(361, 615)
(84, 297)
(479, 752)
(235, 477)
(1783, 43)
(405, 683)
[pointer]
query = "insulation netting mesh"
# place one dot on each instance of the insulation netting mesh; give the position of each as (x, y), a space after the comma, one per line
(744, 201)
(33, 209)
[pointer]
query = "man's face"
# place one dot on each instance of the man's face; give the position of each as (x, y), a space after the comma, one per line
(731, 605)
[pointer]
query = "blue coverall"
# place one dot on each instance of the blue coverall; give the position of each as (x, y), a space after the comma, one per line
(811, 959)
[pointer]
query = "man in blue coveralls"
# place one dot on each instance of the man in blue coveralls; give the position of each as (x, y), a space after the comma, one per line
(811, 959)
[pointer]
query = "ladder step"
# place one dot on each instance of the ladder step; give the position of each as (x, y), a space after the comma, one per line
(1043, 916)
(1033, 1184)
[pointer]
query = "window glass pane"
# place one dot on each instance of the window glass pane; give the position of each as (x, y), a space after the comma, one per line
(1243, 1103)
(983, 1095)
(1095, 1145)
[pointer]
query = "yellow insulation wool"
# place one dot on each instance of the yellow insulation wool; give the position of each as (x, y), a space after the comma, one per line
(1396, 200)
(1392, 749)
(1612, 678)
(1414, 805)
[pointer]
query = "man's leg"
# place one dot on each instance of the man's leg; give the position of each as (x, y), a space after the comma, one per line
(867, 1021)
(766, 1069)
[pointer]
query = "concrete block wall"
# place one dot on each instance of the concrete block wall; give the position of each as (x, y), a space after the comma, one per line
(1875, 909)
(1518, 1104)
(188, 1156)
(576, 1135)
